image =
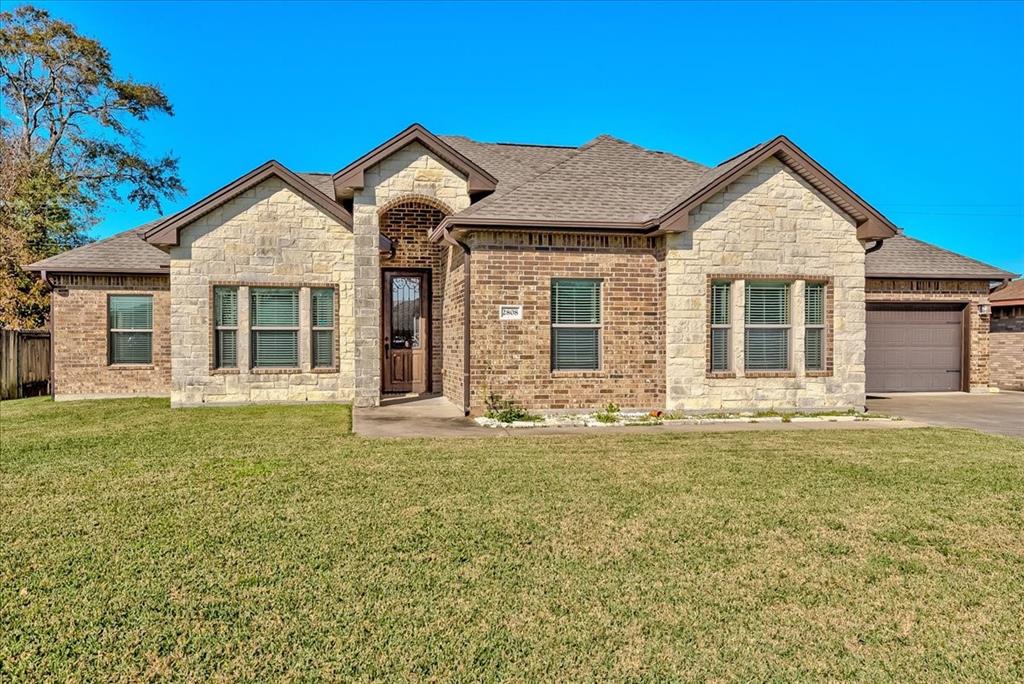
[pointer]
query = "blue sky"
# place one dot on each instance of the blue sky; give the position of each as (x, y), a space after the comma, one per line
(917, 107)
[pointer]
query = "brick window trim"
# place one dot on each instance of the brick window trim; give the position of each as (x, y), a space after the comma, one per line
(827, 281)
(413, 199)
(211, 317)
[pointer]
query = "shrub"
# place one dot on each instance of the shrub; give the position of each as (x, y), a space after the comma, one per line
(610, 414)
(506, 410)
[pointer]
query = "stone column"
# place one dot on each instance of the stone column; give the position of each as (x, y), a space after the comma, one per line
(367, 299)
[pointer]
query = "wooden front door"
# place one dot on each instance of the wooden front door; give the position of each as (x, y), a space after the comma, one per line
(406, 328)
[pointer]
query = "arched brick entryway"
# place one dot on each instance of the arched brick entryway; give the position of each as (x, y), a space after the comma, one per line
(408, 223)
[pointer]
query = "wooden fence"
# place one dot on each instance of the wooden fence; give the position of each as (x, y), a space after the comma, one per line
(24, 363)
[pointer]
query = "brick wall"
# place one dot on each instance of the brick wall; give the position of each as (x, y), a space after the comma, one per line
(408, 223)
(453, 313)
(1006, 347)
(768, 224)
(972, 293)
(513, 358)
(1006, 359)
(80, 355)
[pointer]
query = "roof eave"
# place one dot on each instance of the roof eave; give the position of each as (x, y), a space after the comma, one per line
(939, 276)
(871, 225)
(462, 225)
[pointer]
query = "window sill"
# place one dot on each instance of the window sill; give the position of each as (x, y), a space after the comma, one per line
(579, 374)
(331, 369)
(131, 366)
(818, 373)
(770, 374)
(224, 371)
(276, 371)
(720, 375)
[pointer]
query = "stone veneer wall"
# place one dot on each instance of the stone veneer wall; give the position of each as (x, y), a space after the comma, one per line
(412, 171)
(769, 224)
(81, 369)
(270, 235)
(971, 293)
(513, 358)
(453, 315)
(408, 223)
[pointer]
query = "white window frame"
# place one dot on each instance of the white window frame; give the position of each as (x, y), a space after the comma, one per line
(111, 331)
(322, 328)
(727, 327)
(599, 326)
(274, 328)
(787, 327)
(823, 326)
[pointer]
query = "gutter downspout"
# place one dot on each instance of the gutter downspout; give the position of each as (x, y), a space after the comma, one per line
(875, 247)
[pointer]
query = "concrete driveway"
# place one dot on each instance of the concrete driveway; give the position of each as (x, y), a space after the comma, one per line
(998, 414)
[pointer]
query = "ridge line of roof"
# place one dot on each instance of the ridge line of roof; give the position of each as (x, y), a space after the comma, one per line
(484, 202)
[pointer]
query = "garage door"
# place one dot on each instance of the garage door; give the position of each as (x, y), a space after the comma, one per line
(913, 351)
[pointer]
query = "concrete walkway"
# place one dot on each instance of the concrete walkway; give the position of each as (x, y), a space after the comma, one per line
(437, 417)
(998, 414)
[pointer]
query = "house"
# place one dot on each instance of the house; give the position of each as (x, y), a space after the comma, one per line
(561, 277)
(1006, 355)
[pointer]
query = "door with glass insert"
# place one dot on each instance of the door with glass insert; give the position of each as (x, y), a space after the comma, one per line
(406, 331)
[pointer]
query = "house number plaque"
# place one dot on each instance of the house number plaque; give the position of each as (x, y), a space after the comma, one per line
(510, 312)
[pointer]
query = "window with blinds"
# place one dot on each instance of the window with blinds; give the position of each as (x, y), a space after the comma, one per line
(274, 324)
(767, 324)
(720, 326)
(130, 325)
(814, 326)
(225, 315)
(322, 320)
(575, 324)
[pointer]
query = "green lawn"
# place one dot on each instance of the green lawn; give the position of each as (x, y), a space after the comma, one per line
(262, 543)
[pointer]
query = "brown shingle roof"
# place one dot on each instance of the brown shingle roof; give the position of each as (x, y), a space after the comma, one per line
(125, 252)
(905, 257)
(1011, 292)
(605, 181)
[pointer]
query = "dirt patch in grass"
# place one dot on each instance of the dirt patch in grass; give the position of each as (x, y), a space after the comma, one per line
(256, 543)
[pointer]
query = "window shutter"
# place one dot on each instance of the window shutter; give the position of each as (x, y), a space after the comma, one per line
(576, 302)
(767, 349)
(275, 308)
(767, 303)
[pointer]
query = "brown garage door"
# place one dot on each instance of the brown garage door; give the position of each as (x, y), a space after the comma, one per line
(913, 351)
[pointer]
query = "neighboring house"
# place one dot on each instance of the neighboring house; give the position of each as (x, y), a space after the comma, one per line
(561, 277)
(1007, 336)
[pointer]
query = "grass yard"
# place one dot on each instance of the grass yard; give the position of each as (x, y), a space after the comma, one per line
(268, 543)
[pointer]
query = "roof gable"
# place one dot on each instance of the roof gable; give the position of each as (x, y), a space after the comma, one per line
(871, 224)
(351, 177)
(167, 233)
